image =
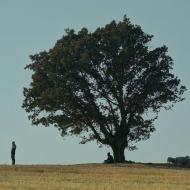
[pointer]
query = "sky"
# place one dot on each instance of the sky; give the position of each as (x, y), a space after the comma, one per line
(28, 27)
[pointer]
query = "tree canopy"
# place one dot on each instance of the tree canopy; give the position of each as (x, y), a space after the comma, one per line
(108, 85)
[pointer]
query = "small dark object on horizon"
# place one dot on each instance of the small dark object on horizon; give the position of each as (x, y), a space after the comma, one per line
(13, 150)
(110, 159)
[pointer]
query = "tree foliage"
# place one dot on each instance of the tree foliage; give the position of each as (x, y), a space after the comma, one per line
(107, 85)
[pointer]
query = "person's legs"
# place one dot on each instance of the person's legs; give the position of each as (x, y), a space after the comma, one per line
(13, 159)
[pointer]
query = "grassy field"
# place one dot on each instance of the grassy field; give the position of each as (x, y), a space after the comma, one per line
(93, 177)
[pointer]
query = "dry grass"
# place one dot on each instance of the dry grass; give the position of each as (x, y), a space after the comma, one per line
(93, 177)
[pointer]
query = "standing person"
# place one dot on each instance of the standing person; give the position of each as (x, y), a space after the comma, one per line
(13, 150)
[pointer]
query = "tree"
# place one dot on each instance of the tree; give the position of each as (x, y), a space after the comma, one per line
(107, 85)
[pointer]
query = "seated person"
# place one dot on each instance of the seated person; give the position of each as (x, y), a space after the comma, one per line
(109, 159)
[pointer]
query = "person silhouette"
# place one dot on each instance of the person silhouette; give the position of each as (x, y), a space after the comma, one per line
(109, 159)
(13, 151)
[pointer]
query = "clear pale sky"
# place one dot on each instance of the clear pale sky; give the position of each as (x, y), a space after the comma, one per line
(28, 27)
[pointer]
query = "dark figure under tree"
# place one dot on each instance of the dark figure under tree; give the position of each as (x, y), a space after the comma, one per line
(110, 159)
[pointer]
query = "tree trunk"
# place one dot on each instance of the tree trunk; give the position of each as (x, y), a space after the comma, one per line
(118, 153)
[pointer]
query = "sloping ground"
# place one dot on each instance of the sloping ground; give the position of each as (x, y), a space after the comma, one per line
(93, 177)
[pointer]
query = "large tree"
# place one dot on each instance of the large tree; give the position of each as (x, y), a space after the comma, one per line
(107, 85)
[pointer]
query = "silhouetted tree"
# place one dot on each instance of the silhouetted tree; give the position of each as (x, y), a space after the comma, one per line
(106, 85)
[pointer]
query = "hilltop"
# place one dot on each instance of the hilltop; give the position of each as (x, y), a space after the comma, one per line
(94, 177)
